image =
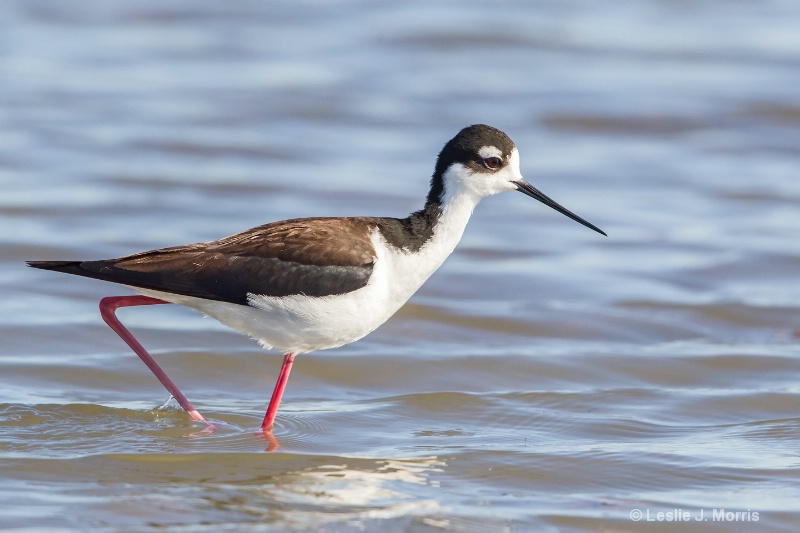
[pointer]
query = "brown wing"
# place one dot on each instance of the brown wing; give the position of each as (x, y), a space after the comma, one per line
(311, 256)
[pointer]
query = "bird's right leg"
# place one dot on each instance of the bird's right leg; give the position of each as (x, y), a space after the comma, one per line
(277, 393)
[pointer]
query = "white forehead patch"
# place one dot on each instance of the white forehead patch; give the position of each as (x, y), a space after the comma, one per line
(490, 151)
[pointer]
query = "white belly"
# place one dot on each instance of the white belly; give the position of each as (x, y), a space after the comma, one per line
(297, 323)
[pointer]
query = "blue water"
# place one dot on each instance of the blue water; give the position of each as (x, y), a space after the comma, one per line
(545, 379)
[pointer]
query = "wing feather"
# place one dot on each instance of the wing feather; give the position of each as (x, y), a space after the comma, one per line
(312, 256)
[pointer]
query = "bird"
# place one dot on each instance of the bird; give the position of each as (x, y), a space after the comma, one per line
(308, 284)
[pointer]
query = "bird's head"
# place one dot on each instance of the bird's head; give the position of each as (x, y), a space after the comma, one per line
(481, 161)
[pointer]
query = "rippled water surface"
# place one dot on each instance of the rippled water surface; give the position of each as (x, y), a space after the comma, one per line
(545, 379)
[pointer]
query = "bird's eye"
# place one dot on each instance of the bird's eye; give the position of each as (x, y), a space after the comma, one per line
(492, 163)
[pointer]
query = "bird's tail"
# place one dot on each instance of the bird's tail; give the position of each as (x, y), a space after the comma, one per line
(69, 267)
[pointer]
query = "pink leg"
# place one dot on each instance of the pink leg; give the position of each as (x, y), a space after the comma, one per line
(277, 394)
(108, 306)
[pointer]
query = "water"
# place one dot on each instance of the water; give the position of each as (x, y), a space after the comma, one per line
(545, 379)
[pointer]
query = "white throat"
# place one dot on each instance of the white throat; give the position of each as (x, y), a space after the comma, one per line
(458, 203)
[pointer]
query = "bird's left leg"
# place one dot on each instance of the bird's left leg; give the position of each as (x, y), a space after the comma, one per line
(108, 307)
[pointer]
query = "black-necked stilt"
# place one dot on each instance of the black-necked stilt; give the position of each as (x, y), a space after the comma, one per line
(315, 283)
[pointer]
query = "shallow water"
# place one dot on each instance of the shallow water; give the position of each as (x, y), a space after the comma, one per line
(545, 379)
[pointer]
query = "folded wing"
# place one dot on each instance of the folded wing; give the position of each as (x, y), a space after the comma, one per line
(312, 256)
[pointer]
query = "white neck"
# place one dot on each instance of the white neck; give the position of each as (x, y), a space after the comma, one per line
(457, 206)
(409, 270)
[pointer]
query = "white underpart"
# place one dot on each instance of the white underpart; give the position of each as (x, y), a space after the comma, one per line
(301, 323)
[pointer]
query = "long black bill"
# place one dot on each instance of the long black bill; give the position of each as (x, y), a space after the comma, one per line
(526, 188)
